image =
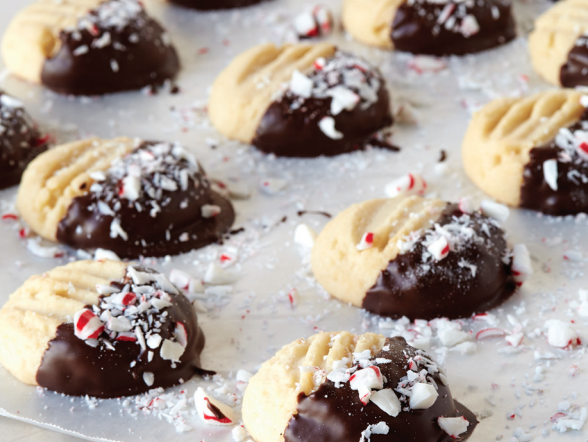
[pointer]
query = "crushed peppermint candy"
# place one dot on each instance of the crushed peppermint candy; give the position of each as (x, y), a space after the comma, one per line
(409, 184)
(453, 426)
(366, 242)
(211, 411)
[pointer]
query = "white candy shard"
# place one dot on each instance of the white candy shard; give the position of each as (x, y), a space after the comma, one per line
(467, 205)
(327, 126)
(239, 433)
(211, 411)
(409, 184)
(343, 99)
(550, 173)
(131, 187)
(521, 264)
(180, 279)
(387, 401)
(364, 380)
(423, 396)
(379, 428)
(439, 248)
(560, 334)
(453, 426)
(469, 26)
(495, 210)
(102, 254)
(119, 324)
(300, 84)
(210, 211)
(216, 275)
(243, 376)
(450, 337)
(273, 186)
(171, 351)
(305, 236)
(148, 378)
(367, 242)
(153, 341)
(181, 334)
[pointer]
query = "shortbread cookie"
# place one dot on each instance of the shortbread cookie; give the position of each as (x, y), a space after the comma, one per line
(129, 196)
(89, 47)
(414, 257)
(532, 152)
(430, 27)
(559, 44)
(300, 100)
(100, 328)
(20, 140)
(346, 388)
(207, 5)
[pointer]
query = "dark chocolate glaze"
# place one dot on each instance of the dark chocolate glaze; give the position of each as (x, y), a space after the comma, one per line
(143, 61)
(571, 196)
(20, 143)
(415, 27)
(336, 414)
(293, 131)
(85, 227)
(575, 70)
(207, 5)
(404, 288)
(72, 367)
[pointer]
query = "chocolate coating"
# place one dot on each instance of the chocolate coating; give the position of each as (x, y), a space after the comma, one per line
(207, 5)
(336, 414)
(178, 228)
(137, 56)
(406, 288)
(20, 142)
(416, 27)
(290, 126)
(72, 367)
(575, 70)
(571, 196)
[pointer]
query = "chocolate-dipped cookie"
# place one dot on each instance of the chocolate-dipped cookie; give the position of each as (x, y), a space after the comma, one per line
(430, 27)
(532, 152)
(20, 140)
(89, 47)
(100, 328)
(208, 5)
(300, 100)
(342, 387)
(415, 257)
(559, 44)
(132, 197)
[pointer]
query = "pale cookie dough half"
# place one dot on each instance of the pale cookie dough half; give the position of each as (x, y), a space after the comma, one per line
(430, 27)
(558, 45)
(334, 386)
(89, 47)
(509, 140)
(405, 256)
(60, 331)
(300, 100)
(132, 197)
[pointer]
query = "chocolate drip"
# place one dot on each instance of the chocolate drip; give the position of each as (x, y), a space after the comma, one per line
(571, 196)
(336, 414)
(290, 126)
(416, 27)
(407, 288)
(137, 56)
(72, 367)
(20, 143)
(207, 5)
(575, 70)
(178, 228)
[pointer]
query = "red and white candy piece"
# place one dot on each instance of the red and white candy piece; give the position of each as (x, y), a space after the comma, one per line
(365, 380)
(453, 426)
(343, 99)
(582, 149)
(306, 25)
(423, 396)
(387, 400)
(439, 248)
(324, 19)
(550, 173)
(515, 339)
(327, 126)
(560, 334)
(210, 211)
(180, 279)
(87, 325)
(521, 264)
(495, 210)
(468, 205)
(131, 187)
(491, 332)
(409, 184)
(127, 337)
(469, 26)
(424, 63)
(367, 242)
(213, 412)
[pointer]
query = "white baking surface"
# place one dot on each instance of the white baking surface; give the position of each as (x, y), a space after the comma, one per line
(247, 326)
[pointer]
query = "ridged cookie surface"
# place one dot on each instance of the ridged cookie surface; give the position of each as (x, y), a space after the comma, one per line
(29, 320)
(33, 34)
(54, 179)
(500, 136)
(348, 273)
(244, 90)
(271, 396)
(555, 34)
